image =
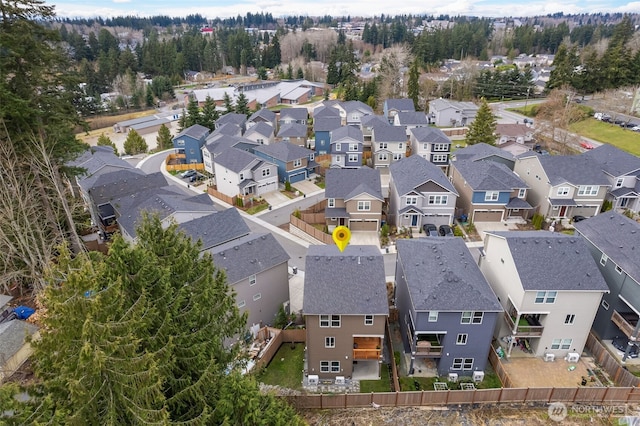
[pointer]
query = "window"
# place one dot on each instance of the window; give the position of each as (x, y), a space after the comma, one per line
(522, 192)
(588, 190)
(260, 141)
(561, 343)
(462, 339)
(438, 199)
(337, 158)
(335, 366)
(330, 366)
(467, 364)
(353, 158)
(242, 304)
(462, 364)
(491, 196)
(353, 147)
(297, 163)
(266, 172)
(312, 157)
(563, 190)
(331, 202)
(425, 146)
(618, 269)
(440, 158)
(180, 142)
(368, 320)
(457, 364)
(569, 319)
(335, 321)
(546, 297)
(324, 321)
(605, 305)
(440, 146)
(411, 200)
(329, 342)
(400, 145)
(619, 182)
(257, 296)
(603, 259)
(383, 156)
(398, 156)
(477, 318)
(383, 145)
(469, 317)
(241, 177)
(433, 316)
(324, 366)
(338, 147)
(252, 279)
(364, 206)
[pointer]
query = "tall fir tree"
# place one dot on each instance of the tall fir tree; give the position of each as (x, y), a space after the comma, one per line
(242, 104)
(135, 144)
(164, 138)
(104, 140)
(193, 113)
(209, 114)
(228, 103)
(413, 85)
(483, 127)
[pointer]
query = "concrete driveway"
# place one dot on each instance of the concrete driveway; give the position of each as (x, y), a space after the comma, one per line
(306, 186)
(483, 227)
(365, 238)
(275, 198)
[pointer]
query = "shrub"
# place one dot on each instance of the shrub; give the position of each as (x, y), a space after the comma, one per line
(287, 186)
(297, 213)
(537, 220)
(239, 202)
(606, 206)
(384, 230)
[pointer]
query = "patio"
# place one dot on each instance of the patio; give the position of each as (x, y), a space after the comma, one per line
(531, 372)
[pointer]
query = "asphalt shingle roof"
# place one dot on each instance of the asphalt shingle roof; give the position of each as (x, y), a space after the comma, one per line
(351, 282)
(389, 134)
(348, 183)
(97, 157)
(552, 261)
(325, 111)
(122, 183)
(617, 236)
(294, 130)
(216, 228)
(488, 175)
(346, 132)
(480, 151)
(12, 337)
(574, 169)
(235, 159)
(613, 160)
(232, 117)
(400, 104)
(294, 113)
(284, 151)
(408, 118)
(264, 114)
(411, 172)
(248, 255)
(326, 124)
(196, 131)
(260, 128)
(430, 135)
(374, 121)
(442, 275)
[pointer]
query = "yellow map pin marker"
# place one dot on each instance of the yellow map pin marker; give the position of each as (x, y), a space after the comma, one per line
(341, 236)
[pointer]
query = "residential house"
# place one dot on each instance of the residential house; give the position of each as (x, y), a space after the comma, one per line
(389, 144)
(419, 193)
(352, 112)
(392, 107)
(190, 142)
(623, 173)
(261, 133)
(446, 309)
(431, 144)
(367, 123)
(232, 118)
(293, 116)
(483, 151)
(322, 128)
(446, 113)
(489, 191)
(218, 143)
(256, 270)
(354, 199)
(216, 228)
(514, 138)
(612, 239)
(294, 133)
(15, 347)
(346, 147)
(561, 186)
(345, 308)
(239, 172)
(294, 162)
(326, 110)
(263, 115)
(548, 307)
(227, 129)
(410, 120)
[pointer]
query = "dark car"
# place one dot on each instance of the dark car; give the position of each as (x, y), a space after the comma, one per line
(578, 218)
(188, 174)
(196, 177)
(430, 230)
(445, 231)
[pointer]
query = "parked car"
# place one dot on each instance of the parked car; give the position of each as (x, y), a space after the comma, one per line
(188, 174)
(445, 231)
(636, 128)
(196, 177)
(586, 145)
(621, 343)
(578, 218)
(430, 230)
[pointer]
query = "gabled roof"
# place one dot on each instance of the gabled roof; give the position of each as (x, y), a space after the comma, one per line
(196, 132)
(442, 275)
(122, 183)
(346, 132)
(351, 282)
(232, 117)
(389, 134)
(218, 143)
(284, 151)
(350, 106)
(292, 130)
(442, 104)
(409, 118)
(236, 160)
(552, 261)
(216, 228)
(295, 94)
(98, 157)
(217, 93)
(614, 161)
(400, 105)
(264, 114)
(326, 124)
(430, 135)
(411, 172)
(13, 336)
(260, 128)
(294, 113)
(486, 175)
(228, 129)
(573, 169)
(325, 111)
(248, 255)
(345, 184)
(373, 121)
(481, 151)
(617, 236)
(107, 176)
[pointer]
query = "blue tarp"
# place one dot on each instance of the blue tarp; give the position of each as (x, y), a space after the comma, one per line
(23, 312)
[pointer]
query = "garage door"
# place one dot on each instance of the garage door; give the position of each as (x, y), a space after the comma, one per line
(298, 177)
(437, 220)
(487, 215)
(363, 225)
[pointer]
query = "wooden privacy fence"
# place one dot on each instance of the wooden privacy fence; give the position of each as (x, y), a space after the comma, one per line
(308, 229)
(578, 395)
(279, 337)
(617, 373)
(499, 368)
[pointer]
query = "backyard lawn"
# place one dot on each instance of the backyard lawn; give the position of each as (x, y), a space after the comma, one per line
(285, 368)
(625, 139)
(382, 385)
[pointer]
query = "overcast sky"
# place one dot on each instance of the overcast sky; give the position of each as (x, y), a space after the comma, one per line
(278, 8)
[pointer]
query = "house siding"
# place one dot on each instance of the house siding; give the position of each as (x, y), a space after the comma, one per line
(273, 287)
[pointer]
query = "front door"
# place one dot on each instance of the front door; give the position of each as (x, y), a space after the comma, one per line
(414, 220)
(563, 211)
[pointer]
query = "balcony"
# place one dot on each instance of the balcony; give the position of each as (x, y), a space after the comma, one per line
(427, 349)
(626, 322)
(367, 348)
(528, 325)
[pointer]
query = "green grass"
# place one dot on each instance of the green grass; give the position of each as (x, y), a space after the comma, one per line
(491, 381)
(407, 384)
(529, 111)
(285, 368)
(258, 208)
(625, 139)
(382, 385)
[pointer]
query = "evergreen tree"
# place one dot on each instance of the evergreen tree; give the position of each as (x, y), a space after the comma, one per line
(228, 103)
(300, 73)
(103, 140)
(242, 104)
(135, 144)
(193, 113)
(262, 73)
(483, 127)
(413, 85)
(209, 114)
(289, 72)
(164, 138)
(149, 101)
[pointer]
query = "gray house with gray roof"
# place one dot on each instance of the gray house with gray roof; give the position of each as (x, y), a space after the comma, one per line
(354, 199)
(446, 309)
(431, 144)
(388, 145)
(345, 308)
(216, 228)
(292, 132)
(392, 107)
(483, 151)
(295, 163)
(239, 172)
(550, 288)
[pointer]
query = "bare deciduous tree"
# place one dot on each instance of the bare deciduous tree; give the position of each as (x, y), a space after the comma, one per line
(392, 81)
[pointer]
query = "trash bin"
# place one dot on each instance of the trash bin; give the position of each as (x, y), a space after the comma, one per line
(295, 270)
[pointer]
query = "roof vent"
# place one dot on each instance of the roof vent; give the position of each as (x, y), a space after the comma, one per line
(249, 242)
(222, 253)
(317, 257)
(536, 241)
(264, 237)
(341, 257)
(236, 248)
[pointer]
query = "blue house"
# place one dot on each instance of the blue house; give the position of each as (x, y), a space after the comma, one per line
(294, 162)
(322, 127)
(190, 142)
(346, 147)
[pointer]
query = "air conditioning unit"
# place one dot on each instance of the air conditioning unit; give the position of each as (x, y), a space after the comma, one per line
(573, 357)
(313, 380)
(478, 376)
(549, 357)
(339, 380)
(453, 377)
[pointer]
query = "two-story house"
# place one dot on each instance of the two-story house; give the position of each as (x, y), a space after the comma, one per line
(353, 111)
(562, 186)
(419, 193)
(431, 144)
(483, 151)
(623, 172)
(612, 239)
(190, 142)
(514, 138)
(354, 199)
(261, 133)
(294, 162)
(239, 172)
(446, 113)
(388, 144)
(392, 107)
(325, 120)
(410, 120)
(367, 123)
(345, 308)
(293, 116)
(550, 289)
(217, 143)
(292, 132)
(232, 118)
(346, 147)
(446, 309)
(263, 115)
(489, 191)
